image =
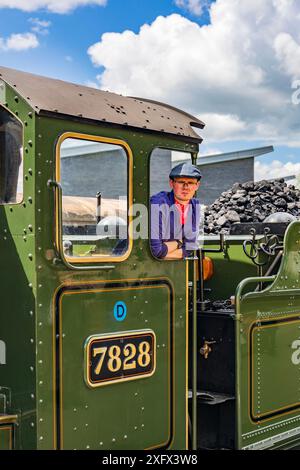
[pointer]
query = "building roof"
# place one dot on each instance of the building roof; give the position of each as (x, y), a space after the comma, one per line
(230, 156)
(56, 97)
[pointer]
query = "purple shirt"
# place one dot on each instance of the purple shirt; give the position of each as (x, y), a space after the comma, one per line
(166, 226)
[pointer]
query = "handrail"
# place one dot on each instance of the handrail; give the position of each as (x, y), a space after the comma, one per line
(249, 280)
(59, 247)
(195, 357)
(194, 343)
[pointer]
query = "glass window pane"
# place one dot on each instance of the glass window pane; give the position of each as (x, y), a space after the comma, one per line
(11, 158)
(94, 179)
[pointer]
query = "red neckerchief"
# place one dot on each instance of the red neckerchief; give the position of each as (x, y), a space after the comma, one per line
(183, 210)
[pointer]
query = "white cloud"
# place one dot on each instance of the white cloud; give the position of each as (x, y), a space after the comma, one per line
(54, 6)
(195, 7)
(222, 126)
(39, 26)
(236, 72)
(288, 53)
(275, 169)
(19, 42)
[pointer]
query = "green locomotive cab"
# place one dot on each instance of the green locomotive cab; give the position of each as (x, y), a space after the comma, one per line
(103, 346)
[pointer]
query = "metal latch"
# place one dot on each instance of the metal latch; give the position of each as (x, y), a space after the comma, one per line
(205, 350)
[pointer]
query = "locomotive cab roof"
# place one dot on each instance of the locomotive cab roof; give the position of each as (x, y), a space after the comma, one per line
(48, 96)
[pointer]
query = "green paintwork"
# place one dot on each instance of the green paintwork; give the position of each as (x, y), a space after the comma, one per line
(130, 403)
(268, 412)
(5, 437)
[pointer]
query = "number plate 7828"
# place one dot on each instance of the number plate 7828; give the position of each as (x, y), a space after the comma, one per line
(119, 357)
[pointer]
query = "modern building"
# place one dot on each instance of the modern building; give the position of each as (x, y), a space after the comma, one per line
(221, 171)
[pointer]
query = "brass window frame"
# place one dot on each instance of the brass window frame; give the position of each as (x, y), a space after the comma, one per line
(129, 153)
(172, 149)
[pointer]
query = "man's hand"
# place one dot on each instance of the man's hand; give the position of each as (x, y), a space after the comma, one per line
(173, 251)
(177, 254)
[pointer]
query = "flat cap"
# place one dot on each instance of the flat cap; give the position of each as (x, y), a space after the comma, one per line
(185, 169)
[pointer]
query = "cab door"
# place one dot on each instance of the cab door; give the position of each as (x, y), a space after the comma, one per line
(113, 329)
(114, 343)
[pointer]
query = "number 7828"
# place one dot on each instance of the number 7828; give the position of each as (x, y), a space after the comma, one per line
(115, 357)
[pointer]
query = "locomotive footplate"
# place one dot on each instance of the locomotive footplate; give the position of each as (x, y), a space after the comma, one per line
(215, 379)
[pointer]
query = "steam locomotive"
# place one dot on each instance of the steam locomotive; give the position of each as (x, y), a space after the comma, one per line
(103, 346)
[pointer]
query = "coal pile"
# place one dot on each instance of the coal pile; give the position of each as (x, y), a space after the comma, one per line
(251, 202)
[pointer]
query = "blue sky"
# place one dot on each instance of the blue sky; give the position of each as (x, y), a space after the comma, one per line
(63, 51)
(231, 64)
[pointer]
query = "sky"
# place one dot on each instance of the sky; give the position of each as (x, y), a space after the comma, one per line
(234, 64)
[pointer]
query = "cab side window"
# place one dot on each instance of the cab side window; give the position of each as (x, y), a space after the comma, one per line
(166, 226)
(94, 179)
(11, 158)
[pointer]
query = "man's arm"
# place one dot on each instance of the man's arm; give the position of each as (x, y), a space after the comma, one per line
(176, 254)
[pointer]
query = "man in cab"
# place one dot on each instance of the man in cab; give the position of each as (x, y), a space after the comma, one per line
(175, 215)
